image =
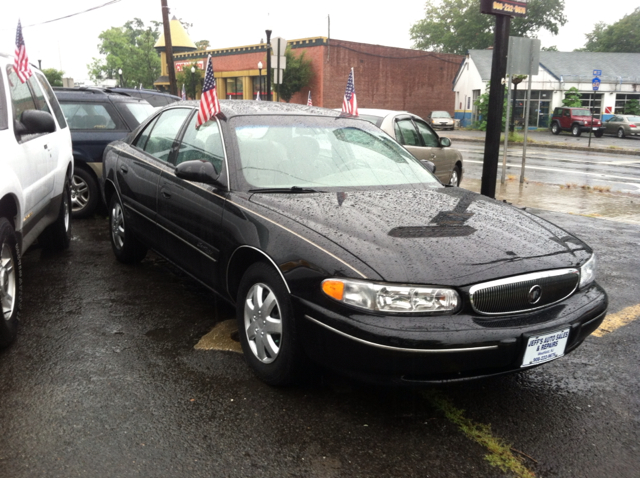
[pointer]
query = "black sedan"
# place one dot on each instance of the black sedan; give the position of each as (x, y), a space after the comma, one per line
(337, 245)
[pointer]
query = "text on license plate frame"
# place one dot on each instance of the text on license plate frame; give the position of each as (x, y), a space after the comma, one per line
(546, 347)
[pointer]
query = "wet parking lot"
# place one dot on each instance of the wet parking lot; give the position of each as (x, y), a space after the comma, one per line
(106, 380)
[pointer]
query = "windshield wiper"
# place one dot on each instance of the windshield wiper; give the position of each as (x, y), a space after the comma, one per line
(293, 189)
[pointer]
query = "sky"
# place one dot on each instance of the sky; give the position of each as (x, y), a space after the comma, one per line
(70, 44)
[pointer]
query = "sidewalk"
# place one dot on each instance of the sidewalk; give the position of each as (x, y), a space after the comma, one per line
(605, 144)
(618, 207)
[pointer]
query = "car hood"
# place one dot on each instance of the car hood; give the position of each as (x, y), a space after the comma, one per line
(440, 236)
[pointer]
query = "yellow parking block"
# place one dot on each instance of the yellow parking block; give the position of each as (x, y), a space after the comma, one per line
(613, 322)
(220, 338)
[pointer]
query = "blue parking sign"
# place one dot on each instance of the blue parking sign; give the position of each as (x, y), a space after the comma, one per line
(595, 83)
(597, 72)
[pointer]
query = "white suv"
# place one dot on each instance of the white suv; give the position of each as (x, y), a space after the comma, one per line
(36, 166)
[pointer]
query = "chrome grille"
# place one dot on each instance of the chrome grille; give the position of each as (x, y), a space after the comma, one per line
(518, 294)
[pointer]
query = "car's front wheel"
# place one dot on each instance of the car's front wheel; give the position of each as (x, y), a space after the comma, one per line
(599, 133)
(455, 176)
(575, 130)
(555, 128)
(125, 245)
(267, 326)
(10, 283)
(84, 194)
(620, 133)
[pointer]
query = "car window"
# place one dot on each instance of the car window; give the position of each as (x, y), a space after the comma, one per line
(633, 119)
(203, 143)
(428, 136)
(440, 114)
(409, 135)
(89, 116)
(53, 101)
(164, 132)
(140, 111)
(20, 95)
(566, 113)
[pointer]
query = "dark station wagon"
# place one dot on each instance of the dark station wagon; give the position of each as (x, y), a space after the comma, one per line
(336, 245)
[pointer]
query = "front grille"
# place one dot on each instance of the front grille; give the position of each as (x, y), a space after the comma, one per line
(523, 293)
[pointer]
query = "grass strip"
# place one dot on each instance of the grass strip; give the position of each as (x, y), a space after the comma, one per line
(499, 455)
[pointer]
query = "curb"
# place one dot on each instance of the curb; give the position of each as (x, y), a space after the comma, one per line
(633, 152)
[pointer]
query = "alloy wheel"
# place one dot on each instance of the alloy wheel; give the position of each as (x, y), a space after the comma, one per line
(7, 281)
(262, 322)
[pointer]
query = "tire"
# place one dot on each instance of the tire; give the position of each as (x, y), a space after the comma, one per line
(555, 128)
(620, 133)
(10, 284)
(57, 236)
(575, 130)
(126, 247)
(270, 345)
(84, 194)
(599, 133)
(455, 176)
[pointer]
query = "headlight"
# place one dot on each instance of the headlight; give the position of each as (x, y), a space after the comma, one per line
(588, 272)
(390, 297)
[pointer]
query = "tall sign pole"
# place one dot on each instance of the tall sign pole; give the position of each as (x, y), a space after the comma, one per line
(268, 32)
(168, 48)
(503, 11)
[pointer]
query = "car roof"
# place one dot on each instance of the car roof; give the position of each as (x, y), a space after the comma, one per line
(232, 108)
(98, 94)
(381, 112)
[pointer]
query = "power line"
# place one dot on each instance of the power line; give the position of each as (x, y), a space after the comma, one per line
(111, 2)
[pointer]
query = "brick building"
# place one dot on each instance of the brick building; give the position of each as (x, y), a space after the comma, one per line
(385, 77)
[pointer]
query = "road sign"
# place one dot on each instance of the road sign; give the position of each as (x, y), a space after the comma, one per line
(597, 72)
(595, 83)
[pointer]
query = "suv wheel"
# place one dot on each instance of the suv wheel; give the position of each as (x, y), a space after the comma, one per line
(575, 130)
(555, 128)
(84, 194)
(10, 283)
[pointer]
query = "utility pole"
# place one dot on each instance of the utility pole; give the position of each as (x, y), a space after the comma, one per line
(168, 48)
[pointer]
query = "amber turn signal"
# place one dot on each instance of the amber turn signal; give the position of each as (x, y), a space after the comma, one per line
(333, 288)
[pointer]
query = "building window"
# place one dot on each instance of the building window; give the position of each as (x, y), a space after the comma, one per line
(621, 102)
(259, 84)
(234, 88)
(538, 108)
(593, 101)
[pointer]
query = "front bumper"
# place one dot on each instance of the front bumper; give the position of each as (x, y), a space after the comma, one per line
(420, 350)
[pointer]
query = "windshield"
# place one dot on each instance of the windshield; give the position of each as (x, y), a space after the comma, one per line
(581, 112)
(140, 111)
(320, 153)
(440, 114)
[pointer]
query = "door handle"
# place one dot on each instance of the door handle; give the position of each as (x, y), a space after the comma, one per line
(166, 195)
(124, 169)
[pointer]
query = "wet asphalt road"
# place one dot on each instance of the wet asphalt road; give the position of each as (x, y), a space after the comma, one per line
(104, 382)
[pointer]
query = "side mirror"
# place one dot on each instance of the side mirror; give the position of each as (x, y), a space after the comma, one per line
(445, 142)
(428, 165)
(35, 122)
(198, 170)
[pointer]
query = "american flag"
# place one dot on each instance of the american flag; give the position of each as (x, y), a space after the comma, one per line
(209, 104)
(309, 102)
(21, 62)
(350, 103)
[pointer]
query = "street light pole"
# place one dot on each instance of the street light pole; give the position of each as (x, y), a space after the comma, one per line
(268, 32)
(260, 78)
(193, 82)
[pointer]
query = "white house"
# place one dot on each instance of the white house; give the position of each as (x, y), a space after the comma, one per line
(559, 71)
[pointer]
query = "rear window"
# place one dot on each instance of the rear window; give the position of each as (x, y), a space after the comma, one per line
(140, 111)
(93, 116)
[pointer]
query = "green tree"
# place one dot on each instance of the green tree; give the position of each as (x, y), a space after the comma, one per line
(632, 107)
(549, 48)
(296, 76)
(129, 48)
(203, 44)
(455, 26)
(192, 81)
(572, 98)
(623, 36)
(482, 104)
(53, 76)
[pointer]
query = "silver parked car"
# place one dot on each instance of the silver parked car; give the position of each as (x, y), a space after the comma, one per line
(623, 125)
(441, 120)
(419, 139)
